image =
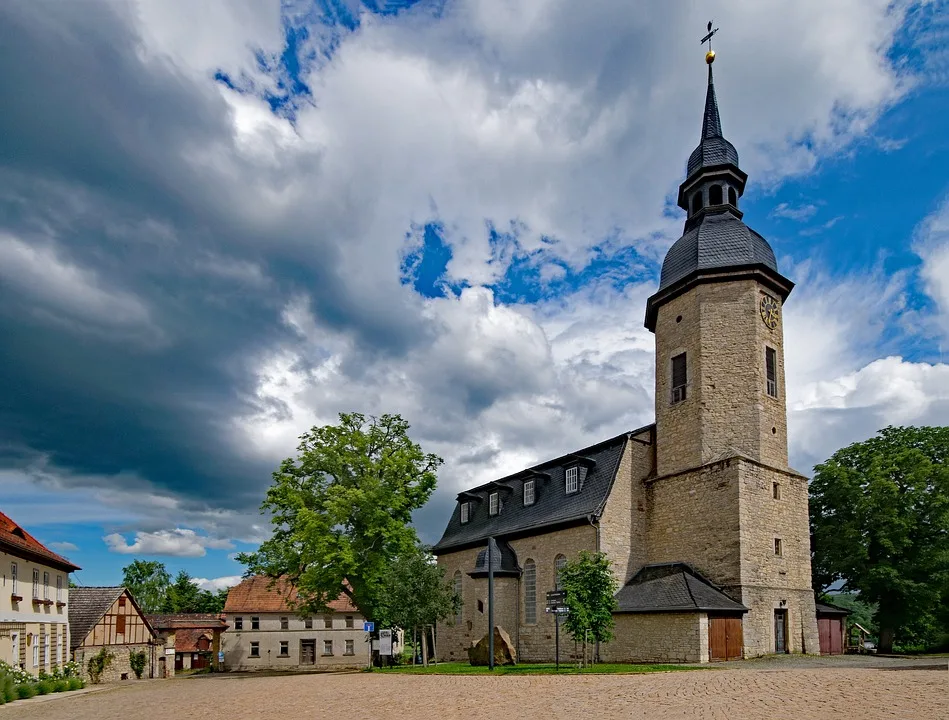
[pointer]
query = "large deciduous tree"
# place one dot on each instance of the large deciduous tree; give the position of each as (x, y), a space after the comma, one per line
(341, 510)
(880, 522)
(589, 592)
(148, 581)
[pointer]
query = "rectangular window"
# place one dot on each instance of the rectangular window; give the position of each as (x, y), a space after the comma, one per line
(349, 621)
(493, 504)
(465, 512)
(47, 656)
(13, 576)
(328, 623)
(327, 647)
(59, 650)
(36, 652)
(530, 592)
(59, 588)
(46, 586)
(308, 623)
(679, 378)
(255, 623)
(771, 364)
(284, 648)
(573, 479)
(776, 491)
(529, 492)
(238, 623)
(350, 647)
(284, 623)
(255, 649)
(36, 583)
(120, 624)
(778, 549)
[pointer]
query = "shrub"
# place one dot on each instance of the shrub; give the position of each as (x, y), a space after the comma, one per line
(75, 683)
(7, 688)
(60, 685)
(44, 687)
(26, 690)
(137, 660)
(98, 664)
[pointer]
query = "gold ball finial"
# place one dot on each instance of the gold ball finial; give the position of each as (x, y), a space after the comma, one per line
(710, 57)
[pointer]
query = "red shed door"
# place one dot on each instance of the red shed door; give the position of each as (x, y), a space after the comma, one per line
(831, 635)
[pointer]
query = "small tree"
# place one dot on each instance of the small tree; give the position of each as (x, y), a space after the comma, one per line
(98, 664)
(589, 588)
(342, 510)
(137, 660)
(148, 581)
(415, 595)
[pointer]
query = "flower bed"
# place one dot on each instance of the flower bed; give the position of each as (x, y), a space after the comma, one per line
(18, 684)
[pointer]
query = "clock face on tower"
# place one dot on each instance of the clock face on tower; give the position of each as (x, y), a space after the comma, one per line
(770, 310)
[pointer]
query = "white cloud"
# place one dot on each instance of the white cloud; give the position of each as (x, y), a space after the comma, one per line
(63, 546)
(931, 242)
(792, 212)
(179, 542)
(219, 583)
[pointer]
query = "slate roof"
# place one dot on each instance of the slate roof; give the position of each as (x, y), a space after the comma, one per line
(552, 505)
(720, 240)
(713, 149)
(254, 594)
(87, 605)
(828, 609)
(17, 541)
(673, 587)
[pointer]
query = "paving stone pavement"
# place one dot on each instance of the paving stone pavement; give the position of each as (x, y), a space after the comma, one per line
(718, 694)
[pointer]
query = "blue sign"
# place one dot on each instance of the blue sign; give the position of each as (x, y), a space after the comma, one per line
(220, 657)
(368, 626)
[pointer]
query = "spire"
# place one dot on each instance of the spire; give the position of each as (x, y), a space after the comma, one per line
(711, 123)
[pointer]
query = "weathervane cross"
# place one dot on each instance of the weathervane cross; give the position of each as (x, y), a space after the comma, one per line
(708, 38)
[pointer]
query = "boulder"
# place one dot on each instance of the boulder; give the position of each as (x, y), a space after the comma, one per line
(504, 651)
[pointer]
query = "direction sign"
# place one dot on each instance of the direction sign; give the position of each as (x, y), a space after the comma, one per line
(368, 626)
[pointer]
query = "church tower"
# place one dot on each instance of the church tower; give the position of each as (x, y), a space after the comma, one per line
(723, 497)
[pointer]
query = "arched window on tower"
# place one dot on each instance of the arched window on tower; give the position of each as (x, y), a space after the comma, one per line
(696, 203)
(530, 592)
(732, 197)
(457, 588)
(715, 195)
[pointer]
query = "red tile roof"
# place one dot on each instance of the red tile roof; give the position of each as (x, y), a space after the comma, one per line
(18, 541)
(187, 639)
(171, 621)
(255, 595)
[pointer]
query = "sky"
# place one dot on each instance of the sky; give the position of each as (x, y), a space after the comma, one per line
(224, 223)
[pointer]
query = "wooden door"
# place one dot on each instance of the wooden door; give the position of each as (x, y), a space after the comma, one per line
(725, 638)
(831, 635)
(780, 631)
(308, 652)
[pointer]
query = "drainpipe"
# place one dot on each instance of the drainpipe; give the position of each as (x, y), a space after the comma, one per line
(596, 528)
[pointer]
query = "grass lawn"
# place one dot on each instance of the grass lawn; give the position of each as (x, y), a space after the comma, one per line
(458, 668)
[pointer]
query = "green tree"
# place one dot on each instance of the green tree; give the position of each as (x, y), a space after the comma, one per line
(880, 522)
(183, 595)
(415, 595)
(148, 581)
(860, 611)
(589, 592)
(341, 510)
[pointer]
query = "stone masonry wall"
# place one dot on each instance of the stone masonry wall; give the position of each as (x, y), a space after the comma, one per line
(727, 409)
(693, 517)
(534, 642)
(120, 662)
(665, 638)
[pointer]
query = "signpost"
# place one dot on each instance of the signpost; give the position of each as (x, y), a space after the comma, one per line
(385, 642)
(555, 605)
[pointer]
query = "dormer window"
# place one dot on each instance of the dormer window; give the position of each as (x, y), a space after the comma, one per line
(494, 504)
(465, 512)
(573, 479)
(529, 492)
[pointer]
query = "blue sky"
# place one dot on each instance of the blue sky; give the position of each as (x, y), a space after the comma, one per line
(232, 222)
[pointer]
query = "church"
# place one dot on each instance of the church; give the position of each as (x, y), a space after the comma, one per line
(704, 522)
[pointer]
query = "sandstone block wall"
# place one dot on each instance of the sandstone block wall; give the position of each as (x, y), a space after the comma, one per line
(119, 669)
(666, 638)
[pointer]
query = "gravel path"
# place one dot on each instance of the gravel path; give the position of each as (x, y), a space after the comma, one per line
(769, 694)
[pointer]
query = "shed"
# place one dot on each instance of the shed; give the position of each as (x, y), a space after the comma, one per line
(831, 625)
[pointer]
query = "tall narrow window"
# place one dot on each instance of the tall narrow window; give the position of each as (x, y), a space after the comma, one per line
(465, 512)
(13, 576)
(559, 562)
(771, 363)
(679, 378)
(456, 586)
(715, 195)
(776, 491)
(59, 588)
(573, 480)
(529, 492)
(36, 583)
(732, 197)
(46, 586)
(494, 504)
(530, 592)
(778, 547)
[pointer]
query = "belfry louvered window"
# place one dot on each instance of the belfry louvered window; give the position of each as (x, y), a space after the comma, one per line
(679, 378)
(771, 364)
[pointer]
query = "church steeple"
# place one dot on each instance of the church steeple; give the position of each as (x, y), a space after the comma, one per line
(711, 123)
